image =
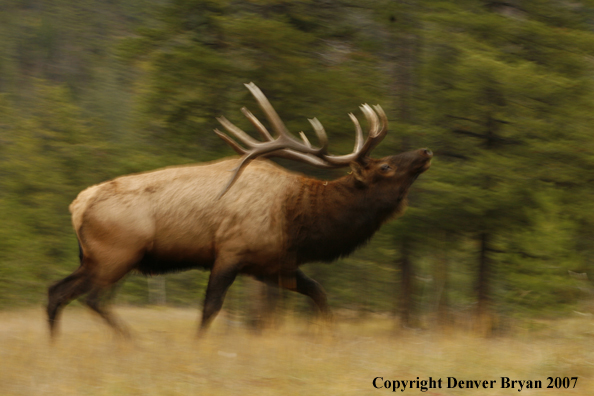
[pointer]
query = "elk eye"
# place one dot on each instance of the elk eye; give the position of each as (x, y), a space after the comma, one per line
(385, 167)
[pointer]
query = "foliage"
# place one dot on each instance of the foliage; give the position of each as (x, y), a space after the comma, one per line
(501, 92)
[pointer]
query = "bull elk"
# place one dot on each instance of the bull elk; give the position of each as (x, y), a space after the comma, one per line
(263, 221)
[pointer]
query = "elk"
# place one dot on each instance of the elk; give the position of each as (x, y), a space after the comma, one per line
(263, 221)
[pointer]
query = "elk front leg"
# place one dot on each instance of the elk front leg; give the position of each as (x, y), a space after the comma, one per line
(303, 284)
(311, 288)
(221, 277)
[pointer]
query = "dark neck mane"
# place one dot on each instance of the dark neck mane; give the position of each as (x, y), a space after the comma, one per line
(328, 220)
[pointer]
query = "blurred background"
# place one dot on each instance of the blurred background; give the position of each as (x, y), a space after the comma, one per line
(499, 231)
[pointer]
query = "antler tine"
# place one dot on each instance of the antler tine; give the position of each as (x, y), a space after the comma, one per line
(241, 135)
(305, 139)
(277, 124)
(383, 119)
(238, 149)
(236, 172)
(371, 119)
(317, 126)
(374, 136)
(358, 132)
(381, 131)
(279, 127)
(255, 122)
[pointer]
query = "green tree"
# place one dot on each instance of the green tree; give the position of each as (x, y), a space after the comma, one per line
(46, 157)
(498, 80)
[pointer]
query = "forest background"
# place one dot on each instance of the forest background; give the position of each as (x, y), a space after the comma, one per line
(500, 228)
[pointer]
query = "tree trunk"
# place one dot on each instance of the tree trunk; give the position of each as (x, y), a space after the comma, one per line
(484, 316)
(406, 306)
(441, 285)
(402, 59)
(404, 51)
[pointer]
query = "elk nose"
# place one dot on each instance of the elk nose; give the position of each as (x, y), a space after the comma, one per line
(427, 152)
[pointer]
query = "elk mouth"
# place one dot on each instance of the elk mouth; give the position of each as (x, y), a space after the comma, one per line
(426, 166)
(428, 156)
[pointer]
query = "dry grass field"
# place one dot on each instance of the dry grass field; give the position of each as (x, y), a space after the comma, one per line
(164, 358)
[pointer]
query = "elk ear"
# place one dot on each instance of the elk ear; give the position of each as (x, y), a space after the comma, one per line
(358, 172)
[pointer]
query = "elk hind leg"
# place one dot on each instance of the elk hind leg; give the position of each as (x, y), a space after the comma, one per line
(64, 291)
(97, 300)
(113, 265)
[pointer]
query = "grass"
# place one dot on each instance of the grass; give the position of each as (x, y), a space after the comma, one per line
(165, 358)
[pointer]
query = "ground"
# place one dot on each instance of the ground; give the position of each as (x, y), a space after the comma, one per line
(296, 358)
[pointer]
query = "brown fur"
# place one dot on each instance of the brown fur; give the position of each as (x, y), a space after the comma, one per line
(270, 222)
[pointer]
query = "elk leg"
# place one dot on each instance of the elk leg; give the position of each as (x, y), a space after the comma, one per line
(311, 288)
(93, 278)
(302, 284)
(97, 302)
(64, 291)
(220, 279)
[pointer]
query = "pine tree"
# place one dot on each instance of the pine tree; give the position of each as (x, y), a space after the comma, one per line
(496, 80)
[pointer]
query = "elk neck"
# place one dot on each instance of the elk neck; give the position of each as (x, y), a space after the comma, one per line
(330, 219)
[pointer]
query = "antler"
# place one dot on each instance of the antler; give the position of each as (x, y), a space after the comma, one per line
(288, 146)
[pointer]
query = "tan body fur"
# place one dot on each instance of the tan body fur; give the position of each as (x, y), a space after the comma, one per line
(174, 214)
